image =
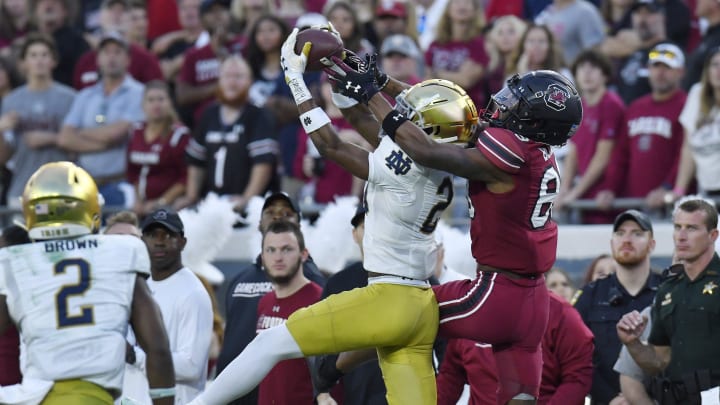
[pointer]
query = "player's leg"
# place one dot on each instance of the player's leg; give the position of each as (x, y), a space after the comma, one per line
(77, 392)
(400, 320)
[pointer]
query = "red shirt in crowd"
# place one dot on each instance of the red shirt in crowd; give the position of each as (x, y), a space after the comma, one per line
(567, 347)
(449, 56)
(156, 166)
(144, 67)
(334, 181)
(289, 381)
(162, 17)
(647, 153)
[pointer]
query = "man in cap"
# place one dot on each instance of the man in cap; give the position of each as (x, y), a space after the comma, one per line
(603, 302)
(251, 284)
(184, 303)
(647, 150)
(400, 56)
(683, 339)
(114, 19)
(391, 17)
(97, 126)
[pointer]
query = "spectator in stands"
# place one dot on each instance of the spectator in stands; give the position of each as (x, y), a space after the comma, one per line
(171, 47)
(123, 223)
(602, 303)
(345, 20)
(684, 330)
(392, 17)
(250, 284)
(10, 340)
(364, 384)
(622, 40)
(14, 22)
(162, 17)
(263, 55)
(9, 77)
(458, 51)
(648, 149)
(234, 151)
(54, 18)
(244, 13)
(399, 57)
(183, 301)
(137, 26)
(324, 179)
(577, 26)
(602, 266)
(558, 281)
(567, 348)
(99, 122)
(634, 381)
(701, 119)
(197, 82)
(283, 254)
(589, 150)
(144, 66)
(502, 40)
(648, 23)
(36, 112)
(156, 167)
(538, 50)
(708, 10)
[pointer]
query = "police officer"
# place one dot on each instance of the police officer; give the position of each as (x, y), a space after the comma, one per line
(683, 343)
(603, 302)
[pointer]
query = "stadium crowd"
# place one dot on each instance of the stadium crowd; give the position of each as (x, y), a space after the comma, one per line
(162, 102)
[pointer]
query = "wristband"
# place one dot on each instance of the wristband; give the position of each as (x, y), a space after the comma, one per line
(298, 88)
(314, 119)
(342, 102)
(156, 393)
(392, 122)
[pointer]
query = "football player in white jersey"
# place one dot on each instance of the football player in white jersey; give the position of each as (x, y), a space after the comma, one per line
(396, 313)
(72, 294)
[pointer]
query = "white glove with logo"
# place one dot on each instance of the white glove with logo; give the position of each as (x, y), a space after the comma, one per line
(294, 67)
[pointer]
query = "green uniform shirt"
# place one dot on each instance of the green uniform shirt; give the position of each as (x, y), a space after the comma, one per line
(686, 317)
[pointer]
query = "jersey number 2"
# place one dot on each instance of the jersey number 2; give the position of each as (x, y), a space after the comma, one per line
(549, 188)
(445, 189)
(85, 317)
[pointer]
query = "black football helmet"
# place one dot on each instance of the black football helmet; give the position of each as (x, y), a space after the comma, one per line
(541, 105)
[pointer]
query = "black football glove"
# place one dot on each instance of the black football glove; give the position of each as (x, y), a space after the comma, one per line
(324, 373)
(360, 86)
(381, 77)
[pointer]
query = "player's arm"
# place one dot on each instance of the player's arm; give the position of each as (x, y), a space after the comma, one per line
(313, 119)
(466, 162)
(146, 320)
(650, 357)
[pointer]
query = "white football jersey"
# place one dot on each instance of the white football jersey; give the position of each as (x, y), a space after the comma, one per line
(71, 300)
(404, 201)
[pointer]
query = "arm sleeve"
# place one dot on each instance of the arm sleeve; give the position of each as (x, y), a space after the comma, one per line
(574, 343)
(502, 149)
(452, 375)
(192, 346)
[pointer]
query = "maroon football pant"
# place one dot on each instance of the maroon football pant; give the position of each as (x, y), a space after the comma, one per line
(510, 314)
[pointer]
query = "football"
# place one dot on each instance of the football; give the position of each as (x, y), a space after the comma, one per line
(324, 45)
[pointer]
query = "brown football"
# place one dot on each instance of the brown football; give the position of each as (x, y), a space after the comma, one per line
(324, 45)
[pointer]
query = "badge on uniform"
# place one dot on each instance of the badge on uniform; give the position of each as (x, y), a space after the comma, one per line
(667, 300)
(709, 288)
(575, 297)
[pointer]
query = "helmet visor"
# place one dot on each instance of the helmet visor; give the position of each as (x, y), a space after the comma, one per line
(506, 99)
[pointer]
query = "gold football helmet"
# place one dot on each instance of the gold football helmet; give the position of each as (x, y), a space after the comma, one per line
(61, 200)
(442, 109)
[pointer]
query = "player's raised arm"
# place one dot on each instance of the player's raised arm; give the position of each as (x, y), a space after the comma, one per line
(313, 119)
(147, 324)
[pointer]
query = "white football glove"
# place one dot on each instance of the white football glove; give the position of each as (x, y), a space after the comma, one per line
(294, 67)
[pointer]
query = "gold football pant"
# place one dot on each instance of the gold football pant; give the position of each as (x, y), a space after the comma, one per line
(77, 392)
(399, 320)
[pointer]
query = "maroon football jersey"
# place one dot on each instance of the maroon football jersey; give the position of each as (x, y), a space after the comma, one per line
(289, 381)
(514, 231)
